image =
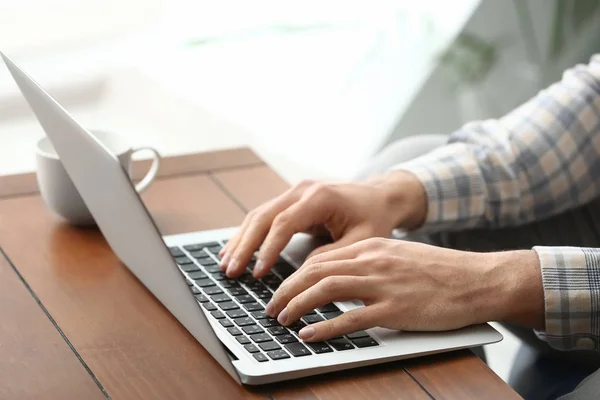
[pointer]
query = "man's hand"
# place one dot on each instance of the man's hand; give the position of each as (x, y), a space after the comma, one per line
(347, 212)
(412, 287)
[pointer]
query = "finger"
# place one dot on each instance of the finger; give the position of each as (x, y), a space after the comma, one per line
(332, 288)
(302, 280)
(256, 227)
(350, 321)
(297, 218)
(343, 252)
(232, 244)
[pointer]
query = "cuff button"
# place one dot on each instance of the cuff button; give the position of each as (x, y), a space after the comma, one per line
(585, 344)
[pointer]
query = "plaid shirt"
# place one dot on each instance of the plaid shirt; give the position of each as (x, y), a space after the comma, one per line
(538, 160)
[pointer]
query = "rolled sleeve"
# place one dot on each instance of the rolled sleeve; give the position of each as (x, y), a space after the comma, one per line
(571, 280)
(453, 185)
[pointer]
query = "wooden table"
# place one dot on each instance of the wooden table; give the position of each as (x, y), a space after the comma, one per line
(76, 324)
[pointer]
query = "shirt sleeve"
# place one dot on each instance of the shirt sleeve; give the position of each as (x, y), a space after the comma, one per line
(537, 161)
(571, 280)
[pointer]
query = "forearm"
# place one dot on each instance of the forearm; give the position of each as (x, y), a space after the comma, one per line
(514, 291)
(405, 198)
(554, 290)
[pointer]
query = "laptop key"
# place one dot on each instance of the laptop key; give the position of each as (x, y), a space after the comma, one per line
(215, 248)
(217, 314)
(246, 278)
(183, 260)
(199, 254)
(201, 298)
(251, 348)
(311, 312)
(297, 349)
(261, 337)
(211, 268)
(245, 298)
(297, 326)
(365, 342)
(312, 319)
(242, 339)
(260, 357)
(219, 276)
(237, 291)
(332, 315)
(220, 298)
(229, 283)
(233, 331)
(195, 290)
(236, 314)
(212, 290)
(255, 285)
(197, 275)
(205, 282)
(259, 314)
(199, 246)
(176, 252)
(278, 330)
(244, 321)
(328, 308)
(269, 346)
(284, 339)
(319, 347)
(341, 344)
(190, 268)
(226, 323)
(359, 334)
(228, 305)
(268, 322)
(253, 307)
(209, 306)
(252, 329)
(263, 293)
(278, 354)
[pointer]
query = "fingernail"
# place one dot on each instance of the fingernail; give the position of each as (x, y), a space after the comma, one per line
(258, 268)
(232, 266)
(307, 333)
(223, 251)
(270, 308)
(283, 316)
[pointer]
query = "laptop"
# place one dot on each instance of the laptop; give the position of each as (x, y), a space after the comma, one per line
(226, 316)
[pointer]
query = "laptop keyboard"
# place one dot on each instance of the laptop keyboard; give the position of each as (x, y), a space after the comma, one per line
(239, 306)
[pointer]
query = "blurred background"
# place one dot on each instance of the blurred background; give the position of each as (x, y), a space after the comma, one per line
(314, 87)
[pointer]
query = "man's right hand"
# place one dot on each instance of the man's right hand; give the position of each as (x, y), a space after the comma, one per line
(347, 212)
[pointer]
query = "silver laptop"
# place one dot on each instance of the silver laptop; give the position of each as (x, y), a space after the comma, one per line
(225, 315)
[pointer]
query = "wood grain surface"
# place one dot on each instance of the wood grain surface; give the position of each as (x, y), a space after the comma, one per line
(137, 349)
(35, 361)
(459, 375)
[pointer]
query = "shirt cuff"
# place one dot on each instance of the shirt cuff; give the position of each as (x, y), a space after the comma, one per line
(454, 187)
(571, 280)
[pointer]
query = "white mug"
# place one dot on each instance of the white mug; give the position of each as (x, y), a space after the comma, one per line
(59, 192)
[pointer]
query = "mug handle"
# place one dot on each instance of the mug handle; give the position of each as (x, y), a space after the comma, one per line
(152, 172)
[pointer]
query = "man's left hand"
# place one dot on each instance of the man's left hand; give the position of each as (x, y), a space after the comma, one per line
(411, 286)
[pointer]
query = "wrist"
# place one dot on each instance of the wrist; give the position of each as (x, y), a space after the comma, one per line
(405, 198)
(514, 289)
